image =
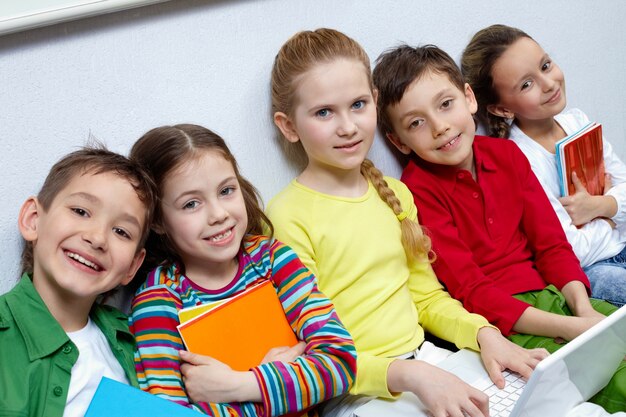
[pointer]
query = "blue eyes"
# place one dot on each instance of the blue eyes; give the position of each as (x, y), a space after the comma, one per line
(224, 192)
(326, 112)
(227, 191)
(323, 113)
(357, 105)
(191, 205)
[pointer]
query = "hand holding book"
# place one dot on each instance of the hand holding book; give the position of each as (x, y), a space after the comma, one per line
(583, 207)
(238, 331)
(581, 153)
(284, 353)
(209, 380)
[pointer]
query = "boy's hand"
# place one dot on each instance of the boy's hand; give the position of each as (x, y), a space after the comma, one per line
(580, 324)
(583, 207)
(284, 353)
(498, 353)
(209, 380)
(441, 392)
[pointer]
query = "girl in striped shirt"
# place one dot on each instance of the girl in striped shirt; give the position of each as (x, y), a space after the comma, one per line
(207, 244)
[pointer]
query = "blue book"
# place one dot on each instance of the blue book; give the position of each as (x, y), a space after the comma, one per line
(114, 399)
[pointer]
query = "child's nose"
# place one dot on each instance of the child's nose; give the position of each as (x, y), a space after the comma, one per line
(547, 83)
(96, 237)
(217, 213)
(347, 126)
(438, 127)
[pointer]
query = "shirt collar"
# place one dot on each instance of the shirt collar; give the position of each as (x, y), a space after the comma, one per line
(449, 175)
(42, 334)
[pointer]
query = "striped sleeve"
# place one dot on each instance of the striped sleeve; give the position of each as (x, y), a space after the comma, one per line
(153, 321)
(328, 367)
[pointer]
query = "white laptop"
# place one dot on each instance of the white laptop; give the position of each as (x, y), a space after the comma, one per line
(563, 380)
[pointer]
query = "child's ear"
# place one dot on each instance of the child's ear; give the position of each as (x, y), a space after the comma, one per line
(137, 261)
(28, 219)
(286, 126)
(472, 104)
(500, 111)
(398, 143)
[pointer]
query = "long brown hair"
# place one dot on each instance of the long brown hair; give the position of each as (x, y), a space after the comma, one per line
(297, 56)
(477, 62)
(161, 151)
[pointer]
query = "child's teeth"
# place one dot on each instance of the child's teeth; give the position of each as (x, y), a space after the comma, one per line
(82, 260)
(221, 236)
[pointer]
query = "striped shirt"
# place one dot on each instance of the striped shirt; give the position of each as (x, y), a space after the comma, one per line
(327, 368)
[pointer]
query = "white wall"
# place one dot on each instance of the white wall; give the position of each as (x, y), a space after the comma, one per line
(208, 62)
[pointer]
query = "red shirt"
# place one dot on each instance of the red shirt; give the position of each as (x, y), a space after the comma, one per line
(494, 237)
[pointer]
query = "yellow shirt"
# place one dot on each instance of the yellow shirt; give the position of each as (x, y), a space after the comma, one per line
(353, 246)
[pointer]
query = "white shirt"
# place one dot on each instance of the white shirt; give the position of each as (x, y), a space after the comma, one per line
(95, 360)
(596, 240)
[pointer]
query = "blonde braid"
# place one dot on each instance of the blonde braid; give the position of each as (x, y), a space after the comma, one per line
(415, 242)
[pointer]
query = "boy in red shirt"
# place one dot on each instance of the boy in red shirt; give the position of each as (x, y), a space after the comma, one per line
(500, 248)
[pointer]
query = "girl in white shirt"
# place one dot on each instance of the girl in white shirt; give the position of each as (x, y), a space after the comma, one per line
(521, 95)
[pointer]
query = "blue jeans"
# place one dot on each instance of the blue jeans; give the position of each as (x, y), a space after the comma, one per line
(608, 279)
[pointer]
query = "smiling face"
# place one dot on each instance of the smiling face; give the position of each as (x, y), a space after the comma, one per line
(334, 117)
(529, 84)
(434, 120)
(204, 215)
(86, 243)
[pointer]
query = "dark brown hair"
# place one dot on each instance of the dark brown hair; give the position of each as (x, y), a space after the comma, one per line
(397, 68)
(94, 160)
(477, 62)
(164, 149)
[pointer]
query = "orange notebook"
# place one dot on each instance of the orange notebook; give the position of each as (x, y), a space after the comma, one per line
(581, 152)
(240, 331)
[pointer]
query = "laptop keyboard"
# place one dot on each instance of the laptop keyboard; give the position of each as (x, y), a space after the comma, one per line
(501, 402)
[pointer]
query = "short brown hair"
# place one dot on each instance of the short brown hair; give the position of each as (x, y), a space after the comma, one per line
(94, 159)
(396, 69)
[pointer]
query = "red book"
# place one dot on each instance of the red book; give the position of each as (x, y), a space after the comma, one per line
(581, 152)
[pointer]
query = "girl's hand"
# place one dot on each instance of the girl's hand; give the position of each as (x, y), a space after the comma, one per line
(284, 353)
(583, 207)
(498, 353)
(209, 380)
(441, 392)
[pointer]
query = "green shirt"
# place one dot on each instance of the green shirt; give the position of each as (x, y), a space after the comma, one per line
(36, 355)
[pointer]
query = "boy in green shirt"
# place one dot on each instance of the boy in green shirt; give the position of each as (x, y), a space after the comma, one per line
(84, 236)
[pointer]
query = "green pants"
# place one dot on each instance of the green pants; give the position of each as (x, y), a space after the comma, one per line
(612, 397)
